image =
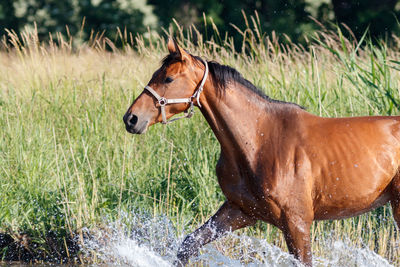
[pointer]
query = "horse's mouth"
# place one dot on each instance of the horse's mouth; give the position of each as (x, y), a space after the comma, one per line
(137, 129)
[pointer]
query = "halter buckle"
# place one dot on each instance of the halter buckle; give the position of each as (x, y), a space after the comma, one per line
(190, 111)
(162, 101)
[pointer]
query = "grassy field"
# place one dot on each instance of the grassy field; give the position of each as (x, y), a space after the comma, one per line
(66, 161)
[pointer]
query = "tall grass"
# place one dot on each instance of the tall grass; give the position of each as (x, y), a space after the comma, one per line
(66, 161)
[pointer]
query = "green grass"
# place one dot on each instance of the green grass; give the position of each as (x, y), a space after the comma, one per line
(66, 161)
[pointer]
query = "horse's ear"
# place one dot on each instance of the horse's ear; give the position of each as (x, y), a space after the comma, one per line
(173, 47)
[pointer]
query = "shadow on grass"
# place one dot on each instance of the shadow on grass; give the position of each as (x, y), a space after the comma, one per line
(22, 248)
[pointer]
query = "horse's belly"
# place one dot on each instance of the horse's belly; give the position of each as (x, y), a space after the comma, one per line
(352, 197)
(333, 212)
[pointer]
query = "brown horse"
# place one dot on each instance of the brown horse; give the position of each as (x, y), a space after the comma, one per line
(278, 163)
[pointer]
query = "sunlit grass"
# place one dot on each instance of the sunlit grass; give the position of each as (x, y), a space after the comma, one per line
(66, 161)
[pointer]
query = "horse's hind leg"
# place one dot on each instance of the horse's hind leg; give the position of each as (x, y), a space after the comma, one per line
(228, 218)
(396, 211)
(395, 202)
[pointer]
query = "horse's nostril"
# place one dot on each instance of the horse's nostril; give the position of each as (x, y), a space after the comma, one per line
(133, 119)
(130, 120)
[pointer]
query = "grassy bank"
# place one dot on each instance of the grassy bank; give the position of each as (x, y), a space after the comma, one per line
(66, 161)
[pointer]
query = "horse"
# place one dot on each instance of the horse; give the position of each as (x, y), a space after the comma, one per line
(278, 162)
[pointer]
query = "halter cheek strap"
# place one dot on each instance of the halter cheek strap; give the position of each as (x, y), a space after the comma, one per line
(162, 101)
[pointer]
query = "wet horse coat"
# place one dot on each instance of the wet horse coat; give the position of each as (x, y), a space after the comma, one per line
(278, 163)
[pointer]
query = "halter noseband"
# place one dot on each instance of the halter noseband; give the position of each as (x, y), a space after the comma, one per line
(162, 101)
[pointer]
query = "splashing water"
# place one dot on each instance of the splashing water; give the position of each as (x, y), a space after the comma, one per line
(143, 240)
(343, 253)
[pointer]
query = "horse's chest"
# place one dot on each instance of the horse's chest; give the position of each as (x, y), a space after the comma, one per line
(234, 179)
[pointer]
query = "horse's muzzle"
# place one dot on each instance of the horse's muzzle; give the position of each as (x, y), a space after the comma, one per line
(133, 125)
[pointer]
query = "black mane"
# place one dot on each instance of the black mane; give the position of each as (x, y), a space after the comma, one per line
(222, 75)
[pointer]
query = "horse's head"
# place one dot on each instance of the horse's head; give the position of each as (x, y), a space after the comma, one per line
(174, 88)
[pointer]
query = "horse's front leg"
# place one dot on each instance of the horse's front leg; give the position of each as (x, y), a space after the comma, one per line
(228, 218)
(297, 235)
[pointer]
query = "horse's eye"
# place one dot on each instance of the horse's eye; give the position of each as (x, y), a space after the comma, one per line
(168, 80)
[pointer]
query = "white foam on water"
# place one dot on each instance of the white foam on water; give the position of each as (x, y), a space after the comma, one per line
(152, 241)
(343, 253)
(136, 255)
(245, 251)
(141, 240)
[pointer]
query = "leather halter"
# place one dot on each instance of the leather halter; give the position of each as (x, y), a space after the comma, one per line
(162, 101)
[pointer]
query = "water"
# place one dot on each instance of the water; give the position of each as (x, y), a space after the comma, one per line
(152, 241)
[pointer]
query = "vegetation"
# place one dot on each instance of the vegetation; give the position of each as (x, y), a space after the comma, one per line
(285, 17)
(66, 161)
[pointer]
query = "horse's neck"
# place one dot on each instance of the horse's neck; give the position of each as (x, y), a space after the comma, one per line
(235, 118)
